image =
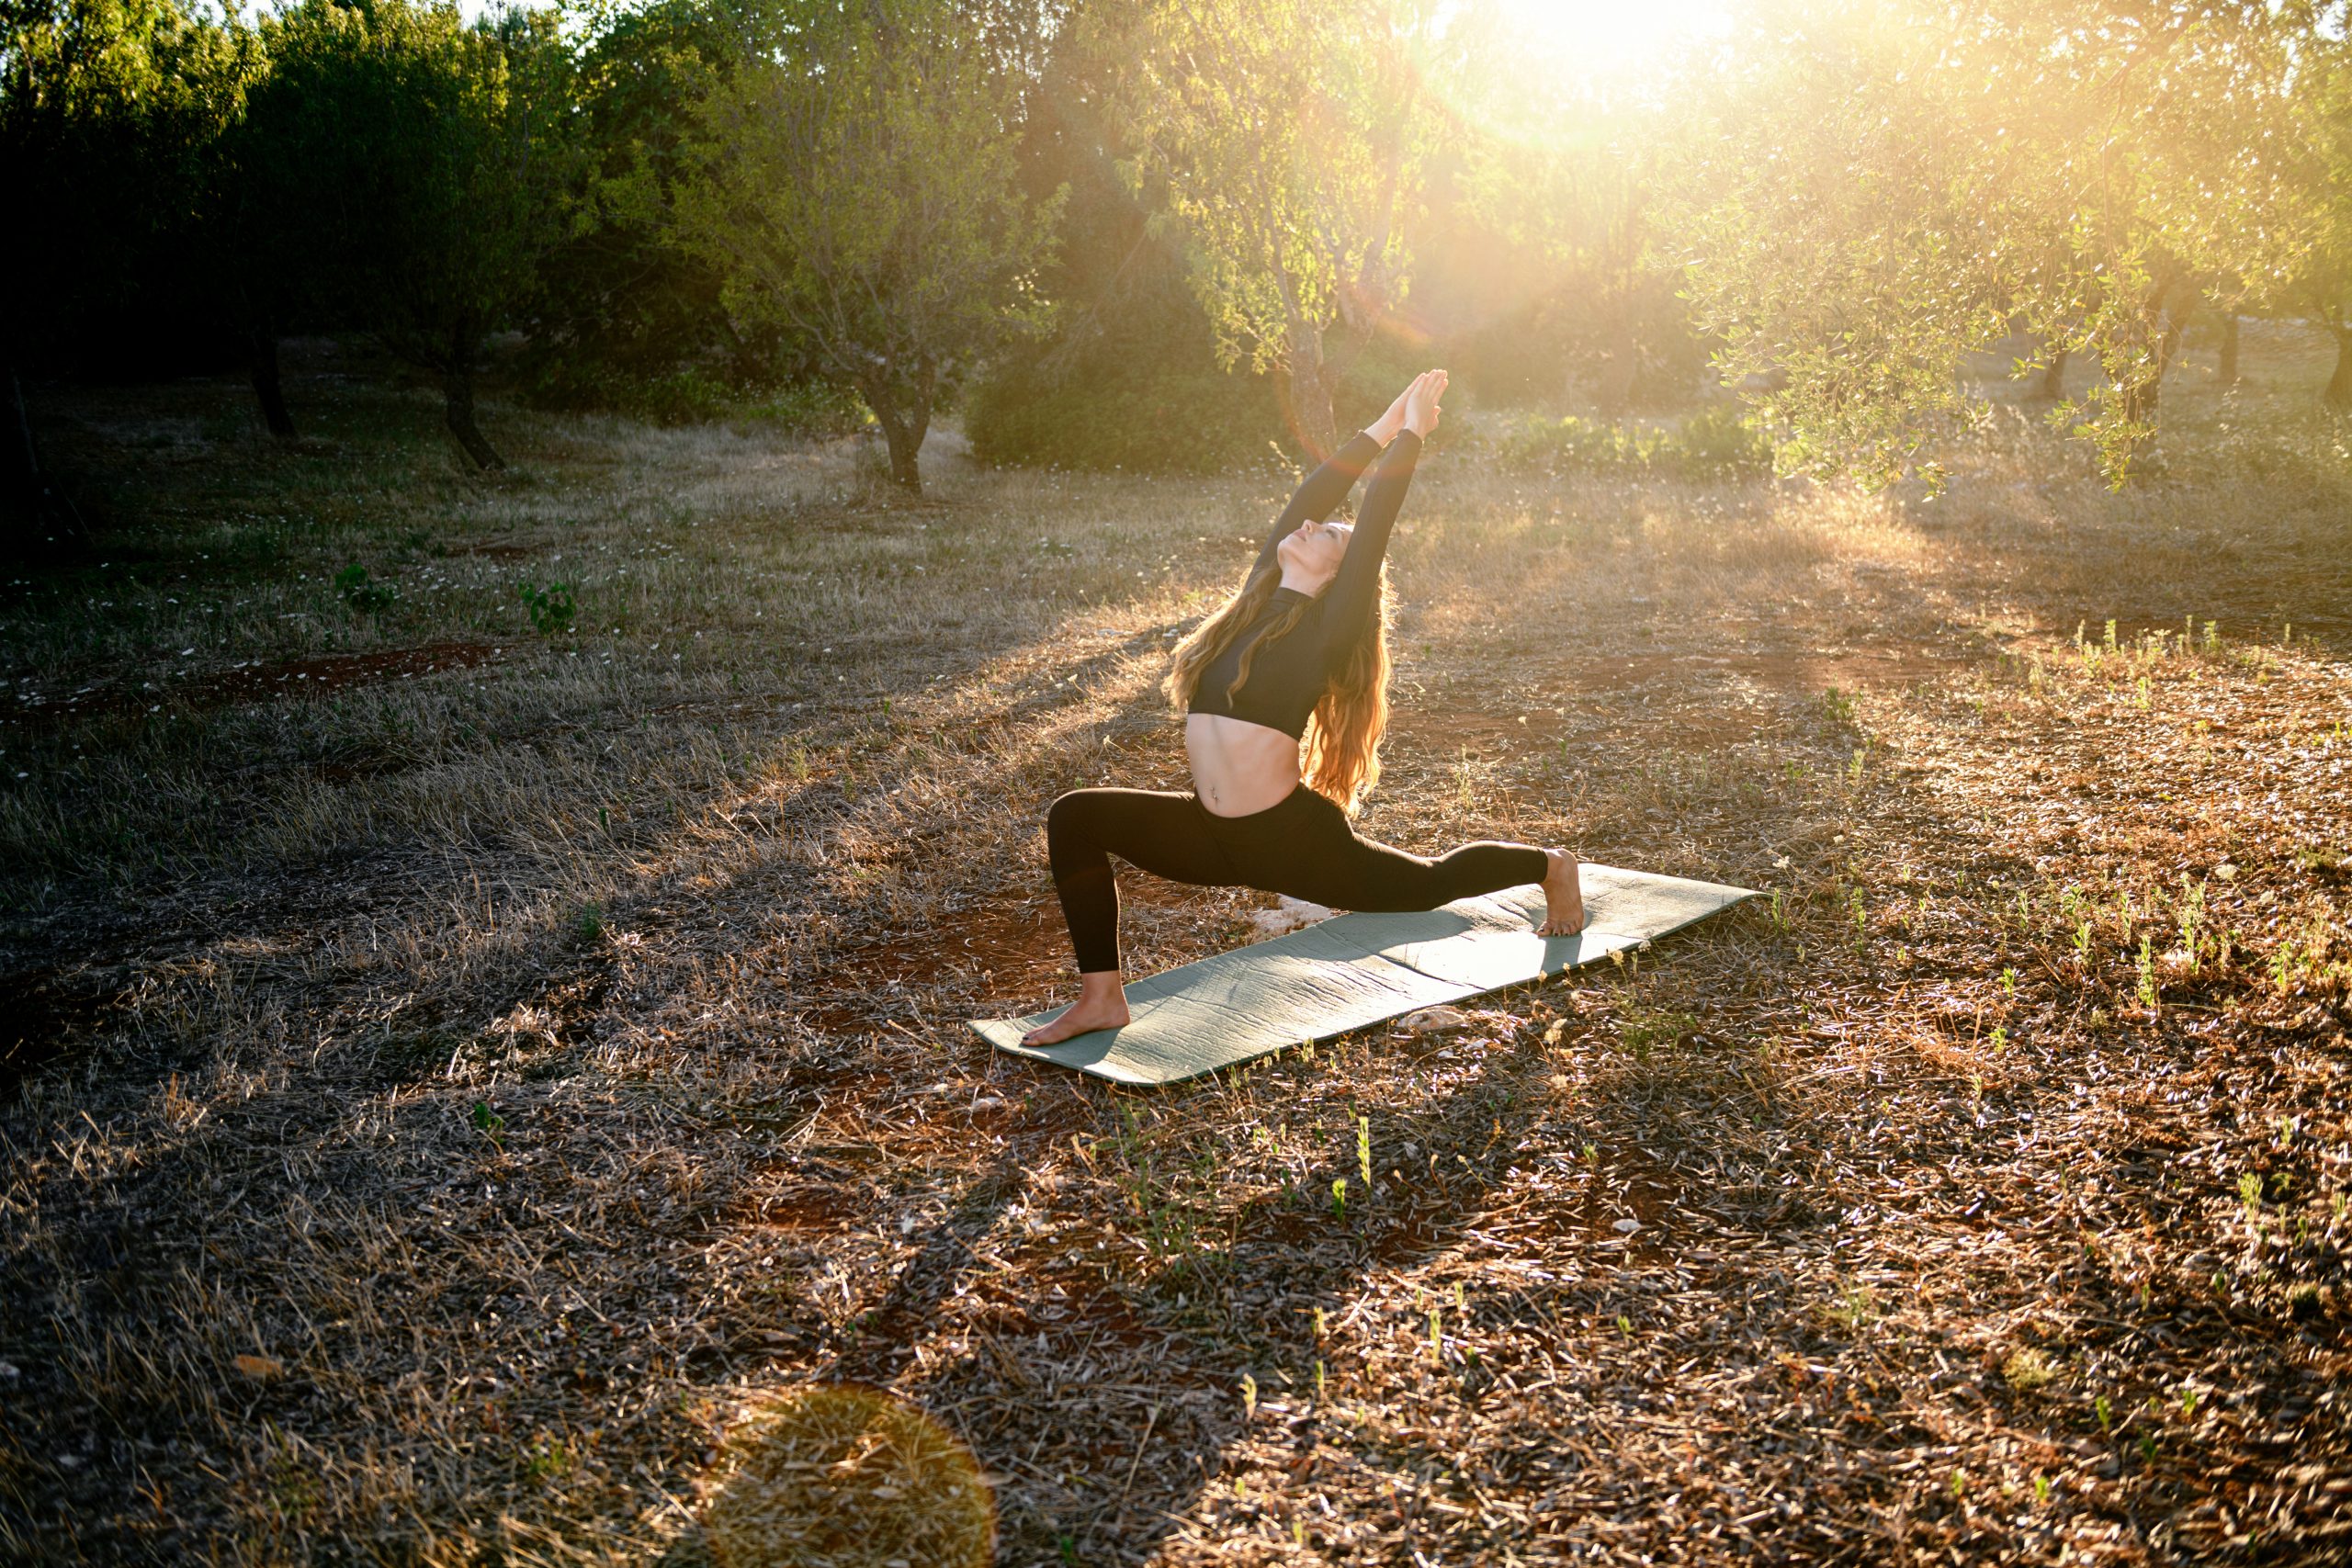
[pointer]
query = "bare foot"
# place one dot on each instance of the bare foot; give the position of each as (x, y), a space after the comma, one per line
(1563, 897)
(1102, 1004)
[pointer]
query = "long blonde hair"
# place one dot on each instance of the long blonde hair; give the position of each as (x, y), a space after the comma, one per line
(1341, 750)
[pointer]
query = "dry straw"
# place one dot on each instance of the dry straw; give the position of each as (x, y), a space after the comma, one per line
(841, 1475)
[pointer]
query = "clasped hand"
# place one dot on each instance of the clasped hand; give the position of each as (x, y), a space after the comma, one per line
(1415, 409)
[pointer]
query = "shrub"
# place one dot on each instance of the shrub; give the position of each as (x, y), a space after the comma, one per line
(1153, 421)
(693, 394)
(1715, 444)
(815, 409)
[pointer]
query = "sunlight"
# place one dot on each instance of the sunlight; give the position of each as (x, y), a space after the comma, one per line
(1595, 37)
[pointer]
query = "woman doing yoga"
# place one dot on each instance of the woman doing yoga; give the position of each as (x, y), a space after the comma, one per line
(1285, 693)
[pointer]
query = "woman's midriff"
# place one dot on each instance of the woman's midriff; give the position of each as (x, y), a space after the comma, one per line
(1239, 768)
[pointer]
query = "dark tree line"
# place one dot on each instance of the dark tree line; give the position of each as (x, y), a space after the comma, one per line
(1082, 217)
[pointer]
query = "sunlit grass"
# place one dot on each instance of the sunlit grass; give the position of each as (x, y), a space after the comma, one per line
(480, 1085)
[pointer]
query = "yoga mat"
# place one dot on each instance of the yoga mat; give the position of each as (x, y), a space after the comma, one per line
(1355, 970)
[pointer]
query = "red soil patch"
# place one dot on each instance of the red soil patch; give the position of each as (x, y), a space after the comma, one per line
(1019, 945)
(253, 683)
(823, 1209)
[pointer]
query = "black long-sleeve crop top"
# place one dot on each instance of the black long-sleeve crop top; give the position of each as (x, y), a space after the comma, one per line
(1290, 674)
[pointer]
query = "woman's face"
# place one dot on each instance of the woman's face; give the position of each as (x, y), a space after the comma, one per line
(1312, 552)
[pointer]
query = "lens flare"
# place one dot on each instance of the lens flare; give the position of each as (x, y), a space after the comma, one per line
(1599, 37)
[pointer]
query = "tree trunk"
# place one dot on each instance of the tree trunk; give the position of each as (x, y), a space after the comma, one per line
(39, 519)
(2339, 386)
(1619, 370)
(2230, 349)
(457, 385)
(2050, 384)
(903, 428)
(267, 386)
(2145, 401)
(1306, 390)
(2167, 350)
(2140, 403)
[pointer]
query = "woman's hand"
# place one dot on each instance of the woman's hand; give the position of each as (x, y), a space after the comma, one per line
(1420, 401)
(1384, 429)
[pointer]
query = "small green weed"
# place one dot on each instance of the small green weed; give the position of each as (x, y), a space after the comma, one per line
(546, 1459)
(2027, 1368)
(551, 608)
(1646, 1029)
(1855, 1308)
(362, 594)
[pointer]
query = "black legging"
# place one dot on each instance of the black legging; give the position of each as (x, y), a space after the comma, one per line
(1304, 847)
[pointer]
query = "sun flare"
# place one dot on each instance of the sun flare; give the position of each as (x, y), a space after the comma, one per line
(1597, 38)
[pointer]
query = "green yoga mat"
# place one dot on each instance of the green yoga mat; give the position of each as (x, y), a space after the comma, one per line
(1355, 970)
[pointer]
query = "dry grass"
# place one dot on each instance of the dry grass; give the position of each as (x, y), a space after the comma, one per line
(468, 1085)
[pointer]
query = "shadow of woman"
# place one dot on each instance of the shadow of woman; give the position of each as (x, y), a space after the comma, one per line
(1105, 1410)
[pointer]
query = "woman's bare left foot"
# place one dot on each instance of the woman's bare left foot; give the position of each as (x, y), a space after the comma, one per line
(1089, 1012)
(1563, 895)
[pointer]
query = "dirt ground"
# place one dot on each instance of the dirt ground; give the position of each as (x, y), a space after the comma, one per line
(469, 1062)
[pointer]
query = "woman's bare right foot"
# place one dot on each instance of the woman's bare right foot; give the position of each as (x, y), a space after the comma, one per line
(1102, 1004)
(1563, 895)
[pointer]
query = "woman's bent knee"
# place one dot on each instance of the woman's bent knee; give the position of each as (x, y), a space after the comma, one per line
(1067, 812)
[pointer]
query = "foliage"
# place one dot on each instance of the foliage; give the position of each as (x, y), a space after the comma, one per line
(693, 394)
(1129, 380)
(1284, 142)
(2321, 284)
(551, 608)
(108, 109)
(362, 592)
(1715, 444)
(1165, 421)
(687, 210)
(1926, 177)
(1128, 376)
(1561, 181)
(860, 187)
(625, 315)
(417, 167)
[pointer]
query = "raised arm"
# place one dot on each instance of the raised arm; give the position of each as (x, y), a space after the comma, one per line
(1324, 489)
(1352, 593)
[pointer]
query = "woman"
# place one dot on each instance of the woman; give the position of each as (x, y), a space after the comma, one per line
(1285, 693)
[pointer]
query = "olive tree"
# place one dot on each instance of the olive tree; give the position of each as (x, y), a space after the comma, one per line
(1559, 168)
(1285, 140)
(2322, 283)
(414, 168)
(1874, 190)
(108, 112)
(857, 181)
